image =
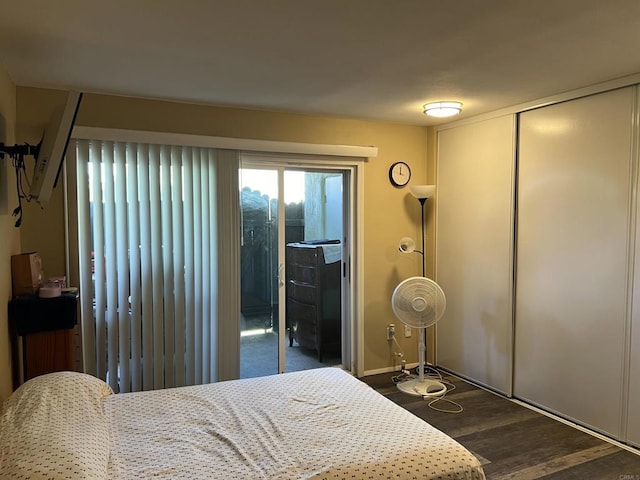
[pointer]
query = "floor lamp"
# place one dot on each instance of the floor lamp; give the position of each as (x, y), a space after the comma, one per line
(422, 193)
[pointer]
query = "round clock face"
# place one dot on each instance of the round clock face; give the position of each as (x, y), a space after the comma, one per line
(399, 174)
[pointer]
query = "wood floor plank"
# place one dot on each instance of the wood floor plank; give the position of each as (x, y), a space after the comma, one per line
(532, 442)
(621, 465)
(558, 464)
(515, 442)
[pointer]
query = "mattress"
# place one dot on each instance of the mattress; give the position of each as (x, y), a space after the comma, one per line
(312, 424)
(316, 424)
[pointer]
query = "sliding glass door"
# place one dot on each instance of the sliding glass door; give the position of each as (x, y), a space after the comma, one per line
(259, 305)
(293, 293)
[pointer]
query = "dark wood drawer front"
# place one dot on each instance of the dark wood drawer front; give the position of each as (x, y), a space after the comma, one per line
(302, 256)
(302, 292)
(304, 320)
(302, 273)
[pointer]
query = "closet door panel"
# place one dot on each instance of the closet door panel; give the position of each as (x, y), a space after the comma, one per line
(475, 250)
(572, 257)
(633, 418)
(633, 412)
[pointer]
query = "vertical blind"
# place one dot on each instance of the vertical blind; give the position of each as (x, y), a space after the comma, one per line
(153, 221)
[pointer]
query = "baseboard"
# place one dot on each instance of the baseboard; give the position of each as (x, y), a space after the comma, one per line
(577, 426)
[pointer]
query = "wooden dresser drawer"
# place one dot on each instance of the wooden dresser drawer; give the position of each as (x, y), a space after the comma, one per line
(303, 319)
(301, 292)
(302, 255)
(302, 273)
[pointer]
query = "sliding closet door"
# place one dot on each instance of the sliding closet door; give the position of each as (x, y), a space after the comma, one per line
(633, 415)
(475, 250)
(633, 412)
(574, 193)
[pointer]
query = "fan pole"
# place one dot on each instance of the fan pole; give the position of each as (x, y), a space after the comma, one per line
(421, 351)
(423, 331)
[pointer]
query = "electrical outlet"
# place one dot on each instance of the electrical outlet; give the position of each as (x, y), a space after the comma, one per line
(391, 331)
(407, 331)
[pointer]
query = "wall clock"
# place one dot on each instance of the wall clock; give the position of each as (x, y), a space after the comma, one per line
(399, 174)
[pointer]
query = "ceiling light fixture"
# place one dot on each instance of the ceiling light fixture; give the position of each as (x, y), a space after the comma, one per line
(442, 109)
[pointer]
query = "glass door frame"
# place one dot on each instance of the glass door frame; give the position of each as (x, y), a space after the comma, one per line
(352, 292)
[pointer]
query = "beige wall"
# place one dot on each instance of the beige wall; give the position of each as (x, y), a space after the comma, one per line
(42, 227)
(9, 235)
(389, 213)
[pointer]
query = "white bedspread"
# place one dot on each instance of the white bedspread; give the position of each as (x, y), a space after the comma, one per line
(314, 424)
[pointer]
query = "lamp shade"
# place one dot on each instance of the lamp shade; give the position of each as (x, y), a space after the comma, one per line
(407, 245)
(422, 191)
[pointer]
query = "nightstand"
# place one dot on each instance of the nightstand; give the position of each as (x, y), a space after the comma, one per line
(48, 330)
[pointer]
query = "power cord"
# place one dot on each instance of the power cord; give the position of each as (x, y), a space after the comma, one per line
(429, 372)
(454, 407)
(403, 370)
(18, 164)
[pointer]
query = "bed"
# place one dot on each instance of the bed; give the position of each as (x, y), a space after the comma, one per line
(320, 423)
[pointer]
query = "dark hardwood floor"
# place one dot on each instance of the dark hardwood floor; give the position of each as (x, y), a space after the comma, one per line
(514, 442)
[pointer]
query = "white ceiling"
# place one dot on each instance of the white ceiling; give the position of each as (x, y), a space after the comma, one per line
(369, 59)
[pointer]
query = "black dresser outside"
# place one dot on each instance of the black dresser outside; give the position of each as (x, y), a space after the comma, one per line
(313, 297)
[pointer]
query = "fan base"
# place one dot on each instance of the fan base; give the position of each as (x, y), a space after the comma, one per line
(424, 388)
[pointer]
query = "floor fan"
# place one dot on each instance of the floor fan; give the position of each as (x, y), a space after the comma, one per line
(419, 302)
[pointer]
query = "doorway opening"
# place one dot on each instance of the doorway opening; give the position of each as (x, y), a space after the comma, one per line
(293, 285)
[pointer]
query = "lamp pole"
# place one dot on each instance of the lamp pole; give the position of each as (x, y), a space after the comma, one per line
(422, 202)
(422, 192)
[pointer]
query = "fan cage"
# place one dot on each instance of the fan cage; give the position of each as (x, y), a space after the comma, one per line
(418, 302)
